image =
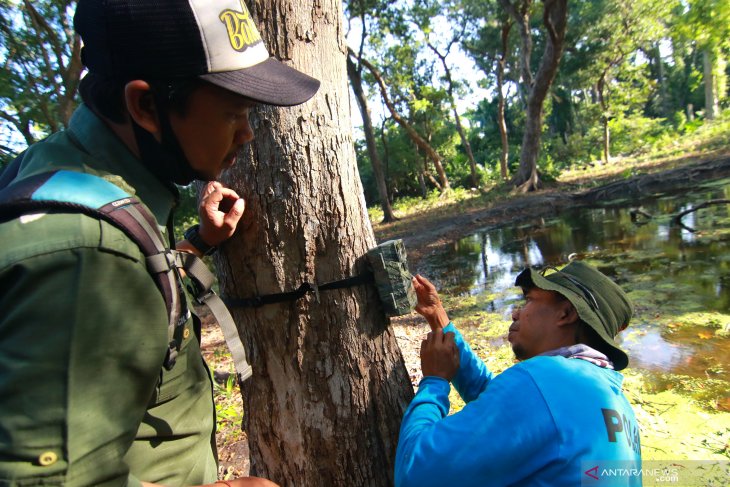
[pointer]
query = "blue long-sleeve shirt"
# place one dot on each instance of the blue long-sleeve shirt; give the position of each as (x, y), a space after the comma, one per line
(547, 421)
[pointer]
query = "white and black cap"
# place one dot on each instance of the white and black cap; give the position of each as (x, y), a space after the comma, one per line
(215, 40)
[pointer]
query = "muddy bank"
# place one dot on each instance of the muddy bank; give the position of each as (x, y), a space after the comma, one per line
(426, 232)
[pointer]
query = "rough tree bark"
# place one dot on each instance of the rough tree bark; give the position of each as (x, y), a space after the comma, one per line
(329, 387)
(457, 118)
(417, 139)
(355, 78)
(555, 15)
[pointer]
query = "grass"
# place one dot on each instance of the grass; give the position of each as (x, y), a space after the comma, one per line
(229, 408)
(679, 422)
(410, 205)
(699, 140)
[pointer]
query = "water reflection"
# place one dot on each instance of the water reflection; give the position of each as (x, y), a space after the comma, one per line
(655, 254)
(649, 349)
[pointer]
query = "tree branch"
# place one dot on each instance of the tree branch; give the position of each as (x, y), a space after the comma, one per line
(20, 125)
(417, 139)
(363, 35)
(35, 21)
(677, 219)
(547, 21)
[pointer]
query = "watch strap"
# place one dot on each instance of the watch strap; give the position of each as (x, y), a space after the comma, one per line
(192, 235)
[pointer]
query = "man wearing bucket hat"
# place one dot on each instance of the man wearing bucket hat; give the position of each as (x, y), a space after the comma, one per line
(89, 393)
(558, 417)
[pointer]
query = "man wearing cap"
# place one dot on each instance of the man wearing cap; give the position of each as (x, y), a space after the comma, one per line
(86, 397)
(557, 418)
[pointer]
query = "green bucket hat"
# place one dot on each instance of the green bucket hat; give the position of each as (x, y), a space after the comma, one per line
(599, 301)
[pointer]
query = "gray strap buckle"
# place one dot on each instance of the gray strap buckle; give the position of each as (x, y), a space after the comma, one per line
(204, 295)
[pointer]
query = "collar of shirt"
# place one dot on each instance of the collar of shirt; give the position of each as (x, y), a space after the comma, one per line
(582, 352)
(114, 162)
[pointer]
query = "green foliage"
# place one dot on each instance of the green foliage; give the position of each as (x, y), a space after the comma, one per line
(186, 213)
(410, 205)
(647, 55)
(638, 134)
(39, 72)
(228, 407)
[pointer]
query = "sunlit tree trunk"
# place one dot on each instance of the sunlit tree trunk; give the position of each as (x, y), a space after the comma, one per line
(519, 10)
(329, 387)
(414, 136)
(708, 62)
(606, 139)
(367, 125)
(457, 118)
(664, 101)
(555, 20)
(601, 88)
(504, 158)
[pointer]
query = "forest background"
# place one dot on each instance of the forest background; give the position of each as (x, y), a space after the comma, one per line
(465, 93)
(457, 98)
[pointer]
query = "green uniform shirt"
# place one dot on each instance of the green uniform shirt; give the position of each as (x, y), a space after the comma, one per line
(84, 399)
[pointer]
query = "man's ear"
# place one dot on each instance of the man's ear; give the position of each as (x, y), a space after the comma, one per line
(141, 106)
(568, 313)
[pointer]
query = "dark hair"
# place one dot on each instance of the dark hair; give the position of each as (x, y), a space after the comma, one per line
(105, 95)
(586, 335)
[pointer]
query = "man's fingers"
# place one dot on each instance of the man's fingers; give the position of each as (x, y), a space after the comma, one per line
(210, 187)
(216, 192)
(425, 282)
(228, 193)
(234, 214)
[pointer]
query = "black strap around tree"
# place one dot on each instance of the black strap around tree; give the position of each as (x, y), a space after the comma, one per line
(306, 287)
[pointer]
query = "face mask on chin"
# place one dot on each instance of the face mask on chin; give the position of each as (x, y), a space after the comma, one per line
(165, 159)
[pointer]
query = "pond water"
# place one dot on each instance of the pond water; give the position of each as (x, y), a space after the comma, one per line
(678, 279)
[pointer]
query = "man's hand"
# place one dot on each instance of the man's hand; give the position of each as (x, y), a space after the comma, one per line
(439, 355)
(220, 210)
(429, 304)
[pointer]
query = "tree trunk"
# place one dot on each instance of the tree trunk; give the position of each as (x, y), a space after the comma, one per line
(708, 61)
(329, 387)
(417, 139)
(386, 161)
(555, 20)
(457, 118)
(664, 102)
(603, 99)
(606, 140)
(520, 12)
(504, 158)
(422, 185)
(467, 147)
(362, 102)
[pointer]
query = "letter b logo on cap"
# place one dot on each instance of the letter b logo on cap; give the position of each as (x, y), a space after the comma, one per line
(241, 30)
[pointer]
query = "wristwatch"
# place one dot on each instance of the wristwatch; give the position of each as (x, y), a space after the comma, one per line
(192, 235)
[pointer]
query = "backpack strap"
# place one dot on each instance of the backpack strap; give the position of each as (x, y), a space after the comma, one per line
(204, 295)
(75, 192)
(85, 193)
